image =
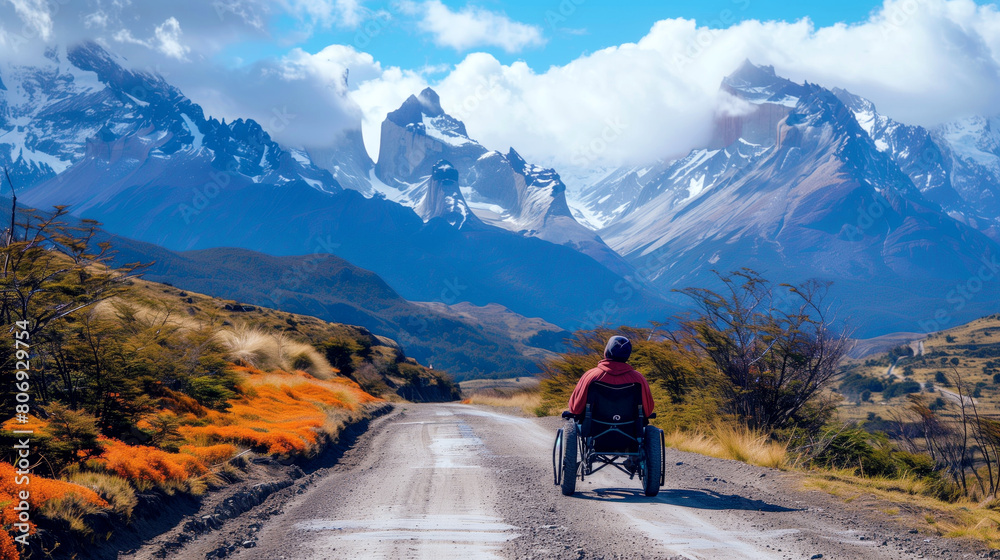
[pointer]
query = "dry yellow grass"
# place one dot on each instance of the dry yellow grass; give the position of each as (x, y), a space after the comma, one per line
(527, 401)
(251, 346)
(961, 519)
(258, 349)
(739, 443)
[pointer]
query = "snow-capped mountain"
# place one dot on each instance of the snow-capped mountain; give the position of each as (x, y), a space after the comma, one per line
(41, 132)
(737, 140)
(131, 151)
(971, 151)
(502, 190)
(88, 117)
(804, 190)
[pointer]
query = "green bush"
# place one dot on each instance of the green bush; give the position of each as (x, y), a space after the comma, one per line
(854, 448)
(903, 388)
(213, 391)
(872, 454)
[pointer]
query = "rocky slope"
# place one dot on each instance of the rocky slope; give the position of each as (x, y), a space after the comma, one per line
(801, 191)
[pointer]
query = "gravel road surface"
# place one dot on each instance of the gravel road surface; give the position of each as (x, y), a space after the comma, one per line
(443, 481)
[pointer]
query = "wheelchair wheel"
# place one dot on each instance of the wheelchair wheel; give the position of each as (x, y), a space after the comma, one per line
(653, 467)
(571, 445)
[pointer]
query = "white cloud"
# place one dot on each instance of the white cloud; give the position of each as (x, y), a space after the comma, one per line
(36, 17)
(343, 13)
(168, 39)
(921, 61)
(125, 36)
(96, 20)
(473, 27)
(376, 98)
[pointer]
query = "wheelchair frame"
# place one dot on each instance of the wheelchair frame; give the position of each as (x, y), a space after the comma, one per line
(587, 456)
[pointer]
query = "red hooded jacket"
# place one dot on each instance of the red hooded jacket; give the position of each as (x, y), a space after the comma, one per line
(612, 373)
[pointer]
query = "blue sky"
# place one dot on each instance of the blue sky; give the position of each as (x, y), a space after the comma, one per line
(570, 27)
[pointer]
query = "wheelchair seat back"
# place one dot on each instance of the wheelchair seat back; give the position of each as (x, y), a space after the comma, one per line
(613, 417)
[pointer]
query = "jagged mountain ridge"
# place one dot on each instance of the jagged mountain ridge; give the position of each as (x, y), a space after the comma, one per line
(955, 166)
(85, 101)
(503, 190)
(177, 179)
(823, 201)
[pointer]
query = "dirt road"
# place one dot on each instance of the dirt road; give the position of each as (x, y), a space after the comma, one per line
(449, 481)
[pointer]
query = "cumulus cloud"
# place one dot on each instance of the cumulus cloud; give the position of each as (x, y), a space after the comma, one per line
(921, 61)
(95, 20)
(473, 27)
(300, 99)
(168, 39)
(36, 17)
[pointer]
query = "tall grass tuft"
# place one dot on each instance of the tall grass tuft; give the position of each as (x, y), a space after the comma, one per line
(251, 347)
(739, 443)
(71, 508)
(114, 489)
(255, 348)
(295, 355)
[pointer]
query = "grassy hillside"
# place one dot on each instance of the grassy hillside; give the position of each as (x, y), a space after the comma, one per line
(262, 337)
(534, 338)
(328, 287)
(132, 388)
(931, 367)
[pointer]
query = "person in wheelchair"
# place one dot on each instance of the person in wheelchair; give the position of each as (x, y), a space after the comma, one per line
(608, 425)
(612, 370)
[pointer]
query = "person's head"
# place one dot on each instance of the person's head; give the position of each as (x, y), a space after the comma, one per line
(618, 349)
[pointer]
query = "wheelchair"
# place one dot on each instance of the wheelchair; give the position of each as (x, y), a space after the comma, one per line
(612, 431)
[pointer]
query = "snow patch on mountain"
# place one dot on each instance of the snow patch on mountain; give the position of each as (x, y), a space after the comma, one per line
(196, 144)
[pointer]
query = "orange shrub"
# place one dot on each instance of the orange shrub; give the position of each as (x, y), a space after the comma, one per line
(279, 412)
(141, 462)
(41, 490)
(8, 550)
(34, 424)
(249, 370)
(210, 454)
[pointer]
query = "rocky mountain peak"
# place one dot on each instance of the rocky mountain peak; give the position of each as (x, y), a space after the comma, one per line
(426, 105)
(760, 84)
(749, 74)
(444, 199)
(431, 102)
(516, 161)
(445, 174)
